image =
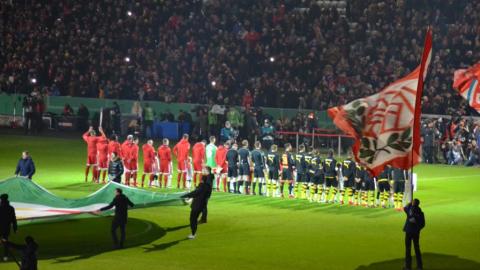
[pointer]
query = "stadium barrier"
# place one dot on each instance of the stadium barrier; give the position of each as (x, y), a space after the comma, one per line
(322, 141)
(11, 105)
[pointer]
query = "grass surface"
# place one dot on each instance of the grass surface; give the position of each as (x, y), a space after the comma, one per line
(249, 232)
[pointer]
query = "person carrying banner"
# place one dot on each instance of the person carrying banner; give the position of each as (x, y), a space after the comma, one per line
(8, 221)
(119, 221)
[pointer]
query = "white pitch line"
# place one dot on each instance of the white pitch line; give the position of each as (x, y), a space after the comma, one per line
(149, 228)
(453, 177)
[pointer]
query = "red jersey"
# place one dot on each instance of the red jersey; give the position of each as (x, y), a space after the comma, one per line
(91, 143)
(198, 153)
(180, 150)
(125, 149)
(164, 154)
(148, 153)
(114, 146)
(221, 156)
(102, 148)
(133, 153)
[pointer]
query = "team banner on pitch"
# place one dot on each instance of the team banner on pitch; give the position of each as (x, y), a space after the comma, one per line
(32, 201)
(465, 81)
(383, 124)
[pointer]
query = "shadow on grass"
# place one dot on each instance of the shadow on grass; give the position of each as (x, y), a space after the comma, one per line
(74, 240)
(431, 261)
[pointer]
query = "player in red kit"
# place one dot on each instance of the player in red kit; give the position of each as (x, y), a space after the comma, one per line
(148, 160)
(165, 159)
(102, 156)
(125, 154)
(222, 167)
(198, 156)
(133, 155)
(91, 138)
(114, 146)
(180, 150)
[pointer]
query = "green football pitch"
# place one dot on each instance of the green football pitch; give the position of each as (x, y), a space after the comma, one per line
(249, 232)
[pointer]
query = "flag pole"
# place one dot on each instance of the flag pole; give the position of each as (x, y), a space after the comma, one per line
(427, 48)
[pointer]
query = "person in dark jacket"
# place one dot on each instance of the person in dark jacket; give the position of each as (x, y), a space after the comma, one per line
(8, 220)
(121, 203)
(413, 225)
(25, 166)
(208, 179)
(29, 252)
(115, 168)
(200, 198)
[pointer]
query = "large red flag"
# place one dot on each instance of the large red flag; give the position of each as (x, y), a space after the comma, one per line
(386, 126)
(466, 82)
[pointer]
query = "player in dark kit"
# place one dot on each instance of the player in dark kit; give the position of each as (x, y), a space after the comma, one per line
(308, 176)
(330, 170)
(315, 171)
(301, 169)
(273, 162)
(384, 186)
(348, 173)
(244, 167)
(399, 177)
(287, 167)
(369, 189)
(232, 172)
(259, 168)
(359, 185)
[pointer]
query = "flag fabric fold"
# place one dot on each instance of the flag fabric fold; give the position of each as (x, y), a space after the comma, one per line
(384, 125)
(466, 82)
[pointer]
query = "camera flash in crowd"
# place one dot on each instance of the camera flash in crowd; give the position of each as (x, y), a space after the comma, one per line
(129, 13)
(272, 59)
(214, 83)
(127, 59)
(34, 80)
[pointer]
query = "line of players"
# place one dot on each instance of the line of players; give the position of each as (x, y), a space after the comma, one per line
(241, 171)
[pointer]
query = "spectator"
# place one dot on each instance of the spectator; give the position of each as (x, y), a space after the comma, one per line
(148, 117)
(227, 133)
(67, 110)
(83, 115)
(267, 134)
(8, 221)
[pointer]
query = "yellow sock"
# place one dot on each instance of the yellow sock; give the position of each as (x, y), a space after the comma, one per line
(304, 191)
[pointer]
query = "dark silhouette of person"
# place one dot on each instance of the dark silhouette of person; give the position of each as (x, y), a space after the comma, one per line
(29, 252)
(121, 203)
(200, 198)
(208, 179)
(8, 220)
(413, 225)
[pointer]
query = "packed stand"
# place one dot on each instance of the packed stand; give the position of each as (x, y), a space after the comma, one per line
(292, 54)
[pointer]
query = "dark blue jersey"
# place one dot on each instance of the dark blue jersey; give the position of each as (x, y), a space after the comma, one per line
(258, 159)
(232, 158)
(398, 175)
(273, 161)
(360, 172)
(300, 163)
(244, 154)
(385, 174)
(330, 167)
(348, 168)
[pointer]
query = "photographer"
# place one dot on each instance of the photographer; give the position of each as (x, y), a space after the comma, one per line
(28, 114)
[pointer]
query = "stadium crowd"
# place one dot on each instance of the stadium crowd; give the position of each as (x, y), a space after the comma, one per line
(249, 53)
